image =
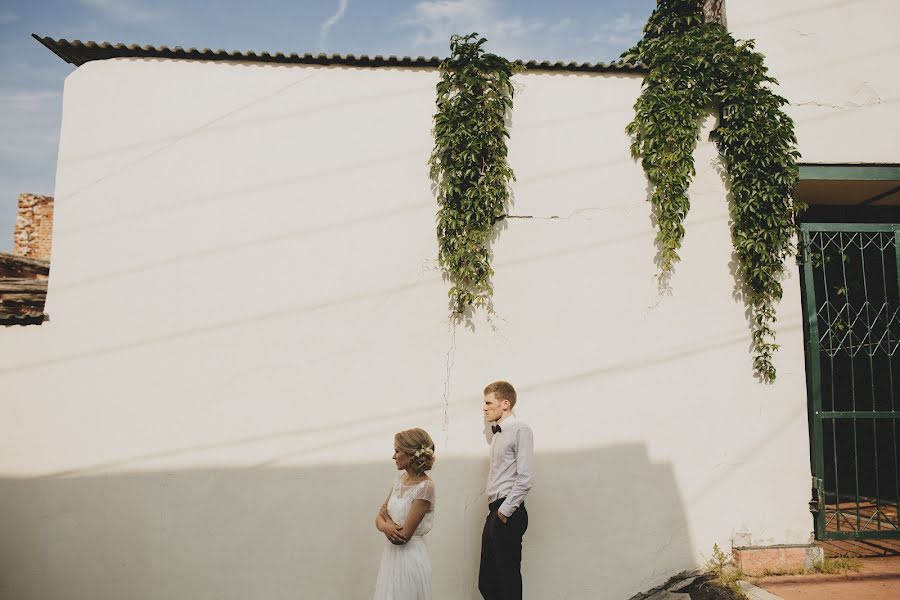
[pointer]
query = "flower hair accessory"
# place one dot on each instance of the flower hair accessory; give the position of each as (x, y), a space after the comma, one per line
(424, 451)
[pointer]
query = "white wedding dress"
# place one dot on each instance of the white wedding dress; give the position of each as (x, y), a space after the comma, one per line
(405, 572)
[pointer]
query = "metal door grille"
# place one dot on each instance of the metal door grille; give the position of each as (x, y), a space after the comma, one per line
(851, 293)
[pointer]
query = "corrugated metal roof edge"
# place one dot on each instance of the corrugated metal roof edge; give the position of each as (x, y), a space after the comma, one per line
(78, 53)
(9, 320)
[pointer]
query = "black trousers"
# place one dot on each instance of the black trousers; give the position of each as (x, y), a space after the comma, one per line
(500, 575)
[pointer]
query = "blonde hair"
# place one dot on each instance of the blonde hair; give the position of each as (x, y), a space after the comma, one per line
(418, 445)
(502, 390)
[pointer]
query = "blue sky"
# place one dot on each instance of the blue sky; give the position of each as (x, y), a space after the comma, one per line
(31, 77)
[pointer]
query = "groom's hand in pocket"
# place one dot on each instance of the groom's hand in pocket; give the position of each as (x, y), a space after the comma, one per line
(492, 524)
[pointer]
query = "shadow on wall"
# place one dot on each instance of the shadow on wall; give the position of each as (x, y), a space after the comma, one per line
(605, 523)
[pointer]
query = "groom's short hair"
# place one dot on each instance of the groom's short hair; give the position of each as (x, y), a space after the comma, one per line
(502, 390)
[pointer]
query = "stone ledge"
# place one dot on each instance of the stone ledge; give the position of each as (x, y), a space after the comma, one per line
(756, 593)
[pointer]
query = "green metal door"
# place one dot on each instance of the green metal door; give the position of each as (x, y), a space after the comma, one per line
(851, 296)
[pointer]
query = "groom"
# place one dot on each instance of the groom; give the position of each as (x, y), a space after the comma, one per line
(509, 479)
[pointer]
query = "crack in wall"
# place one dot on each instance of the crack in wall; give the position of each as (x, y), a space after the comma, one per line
(841, 106)
(448, 368)
(864, 95)
(558, 217)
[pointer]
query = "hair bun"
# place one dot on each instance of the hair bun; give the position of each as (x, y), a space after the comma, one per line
(419, 446)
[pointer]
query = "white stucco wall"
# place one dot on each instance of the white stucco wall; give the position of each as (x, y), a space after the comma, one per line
(245, 307)
(836, 62)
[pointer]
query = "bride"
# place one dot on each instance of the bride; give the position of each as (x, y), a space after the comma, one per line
(404, 519)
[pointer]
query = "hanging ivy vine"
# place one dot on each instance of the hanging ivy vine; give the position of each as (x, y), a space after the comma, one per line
(693, 66)
(469, 167)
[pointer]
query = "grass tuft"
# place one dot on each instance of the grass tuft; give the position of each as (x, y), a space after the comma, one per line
(837, 565)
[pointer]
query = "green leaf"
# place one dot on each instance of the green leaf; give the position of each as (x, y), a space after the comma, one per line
(468, 165)
(694, 65)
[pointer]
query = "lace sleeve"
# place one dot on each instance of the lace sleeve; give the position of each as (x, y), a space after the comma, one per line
(425, 492)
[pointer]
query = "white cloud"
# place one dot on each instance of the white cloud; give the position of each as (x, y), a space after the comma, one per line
(517, 27)
(452, 10)
(25, 99)
(123, 11)
(433, 22)
(562, 25)
(625, 31)
(30, 122)
(331, 22)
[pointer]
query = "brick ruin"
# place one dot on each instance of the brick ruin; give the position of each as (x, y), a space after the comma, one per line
(33, 234)
(24, 272)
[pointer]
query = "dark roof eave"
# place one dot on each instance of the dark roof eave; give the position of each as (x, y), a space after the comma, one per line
(9, 320)
(78, 53)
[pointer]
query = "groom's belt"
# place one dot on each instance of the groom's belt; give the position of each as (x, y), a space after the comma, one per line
(496, 504)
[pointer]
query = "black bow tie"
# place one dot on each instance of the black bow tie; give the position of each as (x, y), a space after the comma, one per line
(496, 428)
